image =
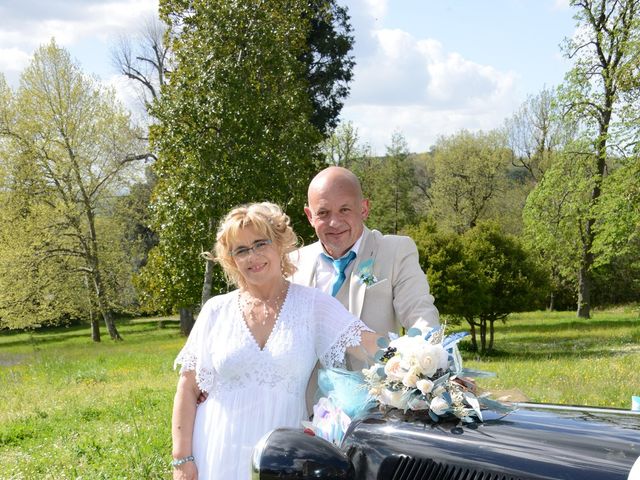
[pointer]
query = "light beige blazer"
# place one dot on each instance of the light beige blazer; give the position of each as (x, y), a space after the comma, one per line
(400, 296)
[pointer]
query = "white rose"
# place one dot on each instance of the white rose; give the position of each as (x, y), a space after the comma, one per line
(443, 360)
(393, 398)
(410, 378)
(393, 369)
(408, 346)
(431, 358)
(424, 385)
(439, 406)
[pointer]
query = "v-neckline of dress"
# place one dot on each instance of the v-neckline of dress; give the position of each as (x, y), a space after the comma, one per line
(275, 324)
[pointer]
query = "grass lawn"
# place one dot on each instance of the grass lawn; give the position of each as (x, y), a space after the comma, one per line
(555, 357)
(70, 408)
(74, 409)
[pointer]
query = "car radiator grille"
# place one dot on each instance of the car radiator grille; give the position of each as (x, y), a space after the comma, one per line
(408, 468)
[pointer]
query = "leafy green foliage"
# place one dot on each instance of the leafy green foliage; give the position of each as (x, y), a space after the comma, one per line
(555, 217)
(618, 231)
(599, 95)
(68, 147)
(481, 276)
(515, 283)
(329, 67)
(390, 188)
(470, 179)
(234, 127)
(454, 278)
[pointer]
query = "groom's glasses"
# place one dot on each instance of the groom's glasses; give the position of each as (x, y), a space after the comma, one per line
(258, 247)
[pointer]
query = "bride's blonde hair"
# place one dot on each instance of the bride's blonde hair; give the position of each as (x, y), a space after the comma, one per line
(268, 220)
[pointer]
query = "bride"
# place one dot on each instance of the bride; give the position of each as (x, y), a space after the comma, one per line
(252, 350)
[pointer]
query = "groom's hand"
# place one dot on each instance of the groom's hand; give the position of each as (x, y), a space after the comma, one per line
(201, 398)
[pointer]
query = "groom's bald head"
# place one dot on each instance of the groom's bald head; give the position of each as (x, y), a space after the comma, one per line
(336, 209)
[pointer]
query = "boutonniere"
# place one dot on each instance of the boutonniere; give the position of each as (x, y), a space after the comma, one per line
(365, 273)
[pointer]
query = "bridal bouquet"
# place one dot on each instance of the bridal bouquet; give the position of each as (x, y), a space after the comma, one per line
(418, 372)
(422, 372)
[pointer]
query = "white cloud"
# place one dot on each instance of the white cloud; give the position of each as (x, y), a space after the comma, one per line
(13, 60)
(561, 5)
(421, 125)
(418, 88)
(376, 8)
(31, 23)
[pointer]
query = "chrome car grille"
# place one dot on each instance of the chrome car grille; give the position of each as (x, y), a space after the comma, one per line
(409, 468)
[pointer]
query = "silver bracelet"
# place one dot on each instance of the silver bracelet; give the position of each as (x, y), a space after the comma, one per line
(179, 461)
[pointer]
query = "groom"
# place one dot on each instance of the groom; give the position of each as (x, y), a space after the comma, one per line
(376, 277)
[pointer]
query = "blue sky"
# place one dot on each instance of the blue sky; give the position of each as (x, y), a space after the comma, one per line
(425, 68)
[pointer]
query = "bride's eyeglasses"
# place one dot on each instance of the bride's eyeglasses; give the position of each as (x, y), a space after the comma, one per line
(259, 246)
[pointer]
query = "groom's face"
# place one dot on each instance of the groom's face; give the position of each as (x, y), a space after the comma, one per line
(337, 214)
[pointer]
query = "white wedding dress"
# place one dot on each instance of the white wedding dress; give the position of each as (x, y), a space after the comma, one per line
(253, 391)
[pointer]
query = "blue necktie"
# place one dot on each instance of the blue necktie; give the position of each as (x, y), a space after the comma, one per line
(340, 265)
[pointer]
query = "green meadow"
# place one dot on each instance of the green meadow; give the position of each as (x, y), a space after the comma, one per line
(72, 409)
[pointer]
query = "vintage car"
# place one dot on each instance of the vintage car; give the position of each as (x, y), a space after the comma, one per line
(533, 442)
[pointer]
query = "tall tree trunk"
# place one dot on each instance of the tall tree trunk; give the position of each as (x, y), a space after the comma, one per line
(474, 340)
(95, 324)
(103, 307)
(207, 285)
(586, 262)
(186, 320)
(95, 329)
(491, 330)
(584, 291)
(91, 251)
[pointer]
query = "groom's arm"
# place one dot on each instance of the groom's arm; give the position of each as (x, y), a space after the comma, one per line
(412, 301)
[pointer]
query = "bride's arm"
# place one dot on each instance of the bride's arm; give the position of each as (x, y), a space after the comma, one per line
(367, 348)
(184, 414)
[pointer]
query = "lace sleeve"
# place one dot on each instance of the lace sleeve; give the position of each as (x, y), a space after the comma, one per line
(195, 355)
(336, 330)
(350, 337)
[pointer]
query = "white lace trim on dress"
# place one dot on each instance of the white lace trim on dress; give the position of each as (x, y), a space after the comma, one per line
(350, 337)
(188, 361)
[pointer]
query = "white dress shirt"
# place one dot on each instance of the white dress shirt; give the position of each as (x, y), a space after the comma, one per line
(326, 274)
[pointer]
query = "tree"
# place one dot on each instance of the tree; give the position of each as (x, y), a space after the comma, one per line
(424, 173)
(144, 58)
(77, 147)
(329, 66)
(481, 276)
(512, 281)
(391, 188)
(535, 133)
(600, 94)
(455, 279)
(554, 219)
(470, 177)
(132, 213)
(618, 230)
(342, 147)
(234, 126)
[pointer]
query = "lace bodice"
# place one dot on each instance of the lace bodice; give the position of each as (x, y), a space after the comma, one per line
(311, 326)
